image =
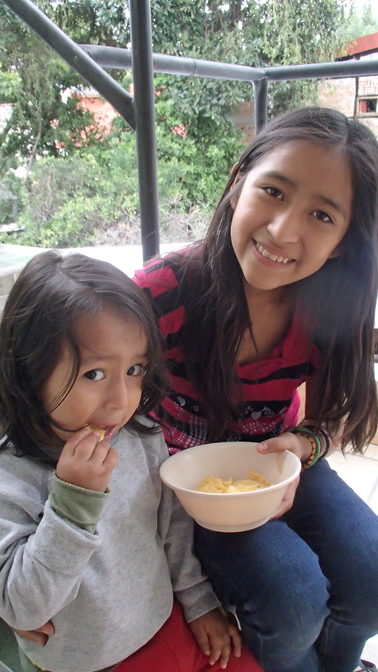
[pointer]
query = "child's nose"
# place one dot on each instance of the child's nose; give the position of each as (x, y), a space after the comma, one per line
(117, 396)
(285, 226)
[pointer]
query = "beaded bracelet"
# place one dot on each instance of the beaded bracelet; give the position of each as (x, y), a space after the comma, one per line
(326, 439)
(315, 444)
(328, 445)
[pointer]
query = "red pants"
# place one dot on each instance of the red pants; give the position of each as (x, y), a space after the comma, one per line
(174, 649)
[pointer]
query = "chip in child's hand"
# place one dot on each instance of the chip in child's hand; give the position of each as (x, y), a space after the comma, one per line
(99, 431)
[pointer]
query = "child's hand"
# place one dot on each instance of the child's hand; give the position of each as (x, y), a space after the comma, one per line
(214, 633)
(86, 461)
(39, 635)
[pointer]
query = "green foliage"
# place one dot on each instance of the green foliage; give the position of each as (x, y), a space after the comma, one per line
(79, 183)
(44, 120)
(12, 198)
(10, 83)
(69, 198)
(268, 32)
(199, 162)
(362, 22)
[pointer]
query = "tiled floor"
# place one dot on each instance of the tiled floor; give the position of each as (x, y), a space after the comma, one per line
(360, 472)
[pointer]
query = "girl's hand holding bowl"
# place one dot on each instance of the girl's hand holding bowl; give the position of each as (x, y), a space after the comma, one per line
(296, 444)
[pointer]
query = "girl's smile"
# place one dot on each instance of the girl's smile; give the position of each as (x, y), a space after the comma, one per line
(292, 213)
(264, 252)
(108, 388)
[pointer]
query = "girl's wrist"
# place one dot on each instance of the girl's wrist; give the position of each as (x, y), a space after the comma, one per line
(324, 438)
(314, 446)
(305, 446)
(303, 449)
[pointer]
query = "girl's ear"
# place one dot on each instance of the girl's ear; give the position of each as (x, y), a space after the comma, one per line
(235, 173)
(337, 252)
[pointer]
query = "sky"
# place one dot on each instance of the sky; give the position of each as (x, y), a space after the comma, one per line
(360, 3)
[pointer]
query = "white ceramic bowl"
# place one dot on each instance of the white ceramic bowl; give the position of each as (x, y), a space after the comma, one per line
(236, 512)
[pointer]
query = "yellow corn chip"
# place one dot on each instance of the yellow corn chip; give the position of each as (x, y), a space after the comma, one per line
(98, 430)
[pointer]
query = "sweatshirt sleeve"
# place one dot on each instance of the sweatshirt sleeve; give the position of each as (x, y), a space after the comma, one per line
(79, 505)
(190, 585)
(42, 555)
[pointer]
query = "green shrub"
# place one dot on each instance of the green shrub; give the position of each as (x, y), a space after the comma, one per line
(74, 200)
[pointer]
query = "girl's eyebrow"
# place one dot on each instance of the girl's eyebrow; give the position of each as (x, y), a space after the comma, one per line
(325, 199)
(334, 204)
(278, 176)
(92, 355)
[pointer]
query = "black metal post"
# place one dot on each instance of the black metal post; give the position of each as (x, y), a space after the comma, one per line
(76, 57)
(144, 98)
(261, 103)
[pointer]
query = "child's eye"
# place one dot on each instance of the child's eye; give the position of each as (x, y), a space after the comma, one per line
(95, 374)
(322, 216)
(273, 191)
(136, 370)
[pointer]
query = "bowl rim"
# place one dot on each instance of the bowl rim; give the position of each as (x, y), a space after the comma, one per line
(237, 495)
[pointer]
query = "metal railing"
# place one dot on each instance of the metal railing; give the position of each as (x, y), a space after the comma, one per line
(89, 61)
(113, 57)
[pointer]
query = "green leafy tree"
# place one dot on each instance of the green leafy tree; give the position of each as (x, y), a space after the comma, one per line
(362, 22)
(34, 79)
(270, 32)
(196, 139)
(266, 33)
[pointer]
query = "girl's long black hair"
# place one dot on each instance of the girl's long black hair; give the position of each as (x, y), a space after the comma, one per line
(337, 302)
(41, 315)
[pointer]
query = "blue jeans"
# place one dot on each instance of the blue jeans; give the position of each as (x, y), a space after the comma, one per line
(305, 587)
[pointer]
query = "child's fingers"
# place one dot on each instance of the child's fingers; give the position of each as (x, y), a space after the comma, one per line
(236, 639)
(213, 636)
(39, 635)
(90, 464)
(100, 453)
(220, 643)
(111, 459)
(74, 440)
(202, 639)
(220, 651)
(89, 445)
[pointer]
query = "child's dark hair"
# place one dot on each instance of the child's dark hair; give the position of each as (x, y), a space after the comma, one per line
(41, 314)
(338, 301)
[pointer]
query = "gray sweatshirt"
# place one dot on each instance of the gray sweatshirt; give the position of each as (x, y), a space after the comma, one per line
(107, 592)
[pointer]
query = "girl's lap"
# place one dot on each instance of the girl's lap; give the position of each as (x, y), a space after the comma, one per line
(337, 524)
(330, 536)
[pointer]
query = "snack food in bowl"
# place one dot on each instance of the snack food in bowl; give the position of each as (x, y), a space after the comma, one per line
(254, 481)
(184, 471)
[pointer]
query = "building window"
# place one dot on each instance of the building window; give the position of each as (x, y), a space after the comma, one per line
(368, 106)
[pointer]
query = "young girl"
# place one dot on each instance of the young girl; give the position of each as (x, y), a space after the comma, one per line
(281, 292)
(80, 358)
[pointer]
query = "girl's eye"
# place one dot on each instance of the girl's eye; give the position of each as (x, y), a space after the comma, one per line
(136, 370)
(95, 374)
(322, 216)
(273, 191)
